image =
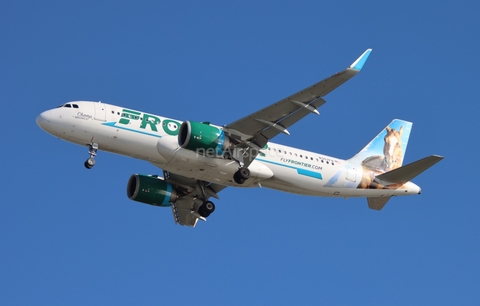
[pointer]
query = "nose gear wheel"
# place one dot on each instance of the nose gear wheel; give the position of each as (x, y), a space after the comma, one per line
(92, 150)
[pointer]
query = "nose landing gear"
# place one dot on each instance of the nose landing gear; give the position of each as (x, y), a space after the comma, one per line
(92, 150)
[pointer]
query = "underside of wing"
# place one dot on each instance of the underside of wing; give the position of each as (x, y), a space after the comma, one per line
(184, 213)
(192, 195)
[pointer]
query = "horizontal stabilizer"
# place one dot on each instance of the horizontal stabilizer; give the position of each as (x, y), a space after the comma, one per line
(377, 203)
(408, 172)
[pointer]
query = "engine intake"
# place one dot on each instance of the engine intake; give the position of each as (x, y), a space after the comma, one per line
(202, 138)
(150, 190)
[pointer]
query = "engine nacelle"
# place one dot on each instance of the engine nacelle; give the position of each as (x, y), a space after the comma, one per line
(150, 190)
(202, 138)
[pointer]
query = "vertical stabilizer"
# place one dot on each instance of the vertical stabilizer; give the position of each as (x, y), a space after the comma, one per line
(387, 150)
(377, 203)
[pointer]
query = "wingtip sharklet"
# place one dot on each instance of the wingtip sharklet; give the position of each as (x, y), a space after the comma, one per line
(358, 64)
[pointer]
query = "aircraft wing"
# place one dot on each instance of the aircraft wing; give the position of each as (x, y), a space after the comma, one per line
(185, 208)
(255, 130)
(183, 213)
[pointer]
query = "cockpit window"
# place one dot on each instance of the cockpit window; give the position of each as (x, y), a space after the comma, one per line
(68, 105)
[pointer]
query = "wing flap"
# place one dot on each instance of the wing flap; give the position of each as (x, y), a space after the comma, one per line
(183, 213)
(184, 208)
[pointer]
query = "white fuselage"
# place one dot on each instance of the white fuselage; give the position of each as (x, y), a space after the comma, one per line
(154, 138)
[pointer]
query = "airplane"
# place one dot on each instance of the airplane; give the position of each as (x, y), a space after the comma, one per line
(199, 159)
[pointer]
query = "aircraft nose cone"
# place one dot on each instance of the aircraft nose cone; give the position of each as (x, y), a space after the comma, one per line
(43, 119)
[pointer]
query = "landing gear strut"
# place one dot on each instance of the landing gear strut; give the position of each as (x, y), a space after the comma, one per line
(241, 175)
(92, 150)
(206, 209)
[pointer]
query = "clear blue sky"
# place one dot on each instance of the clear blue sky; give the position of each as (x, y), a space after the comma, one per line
(70, 236)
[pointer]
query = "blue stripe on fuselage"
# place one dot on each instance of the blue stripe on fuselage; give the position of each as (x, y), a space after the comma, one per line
(113, 124)
(308, 173)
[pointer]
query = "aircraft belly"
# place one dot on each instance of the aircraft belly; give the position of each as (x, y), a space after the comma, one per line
(129, 143)
(216, 170)
(296, 181)
(331, 182)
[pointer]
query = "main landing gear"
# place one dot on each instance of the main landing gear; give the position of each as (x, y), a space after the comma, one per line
(206, 209)
(92, 150)
(241, 175)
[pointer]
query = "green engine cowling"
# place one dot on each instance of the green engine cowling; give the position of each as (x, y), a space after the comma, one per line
(202, 138)
(150, 190)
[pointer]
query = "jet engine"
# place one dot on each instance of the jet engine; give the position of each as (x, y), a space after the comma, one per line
(150, 190)
(203, 138)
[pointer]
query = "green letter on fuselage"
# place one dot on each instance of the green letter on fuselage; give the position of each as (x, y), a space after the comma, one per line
(128, 115)
(151, 120)
(171, 127)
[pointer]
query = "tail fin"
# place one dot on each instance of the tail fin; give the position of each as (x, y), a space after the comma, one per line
(386, 151)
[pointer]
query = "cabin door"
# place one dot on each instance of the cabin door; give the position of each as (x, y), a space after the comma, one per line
(100, 113)
(351, 173)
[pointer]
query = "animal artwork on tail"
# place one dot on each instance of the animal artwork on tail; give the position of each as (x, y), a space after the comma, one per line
(392, 150)
(384, 153)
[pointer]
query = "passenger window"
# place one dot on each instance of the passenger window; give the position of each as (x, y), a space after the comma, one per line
(301, 155)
